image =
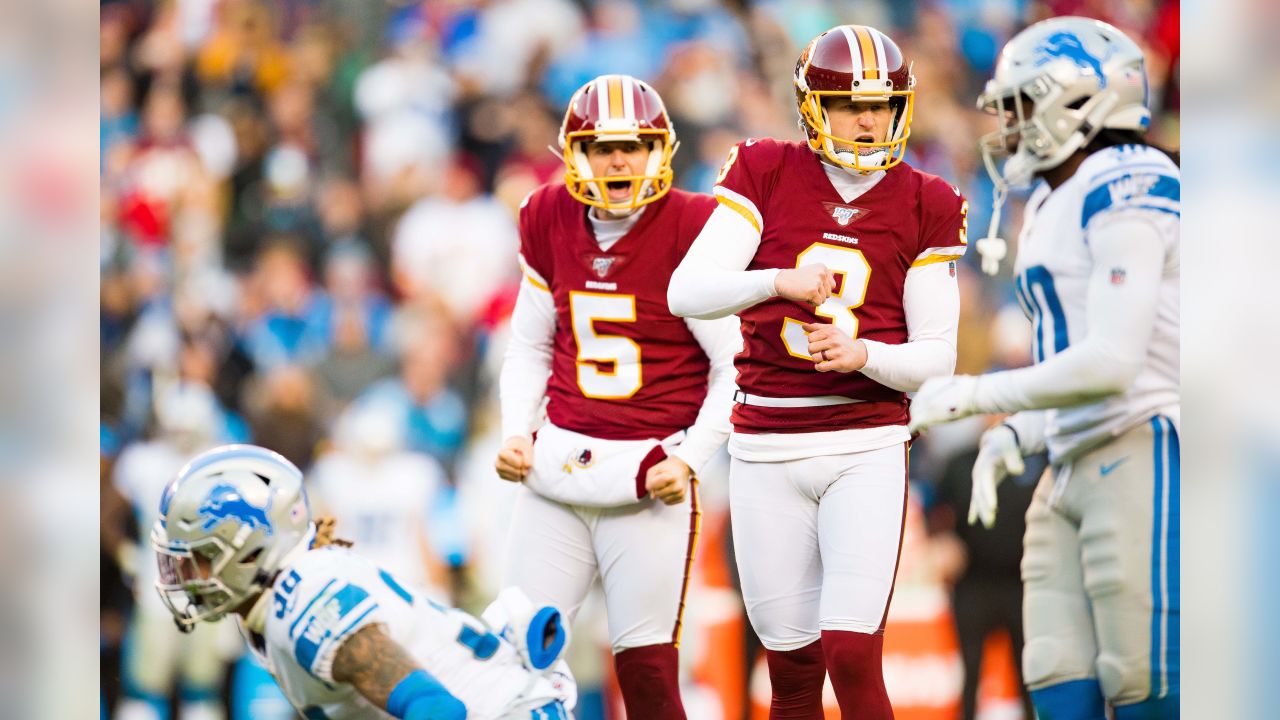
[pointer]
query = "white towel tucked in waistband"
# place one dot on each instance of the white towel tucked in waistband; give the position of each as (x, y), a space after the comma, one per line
(578, 469)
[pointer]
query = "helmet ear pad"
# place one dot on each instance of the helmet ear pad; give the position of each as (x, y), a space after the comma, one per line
(898, 105)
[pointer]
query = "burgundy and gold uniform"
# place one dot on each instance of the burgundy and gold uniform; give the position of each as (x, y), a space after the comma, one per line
(819, 471)
(623, 367)
(638, 399)
(908, 219)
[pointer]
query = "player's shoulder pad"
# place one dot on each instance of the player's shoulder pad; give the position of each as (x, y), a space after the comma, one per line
(764, 154)
(542, 198)
(1129, 177)
(692, 210)
(938, 194)
(693, 204)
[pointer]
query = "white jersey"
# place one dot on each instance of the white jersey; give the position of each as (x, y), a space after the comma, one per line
(329, 593)
(1052, 276)
(381, 506)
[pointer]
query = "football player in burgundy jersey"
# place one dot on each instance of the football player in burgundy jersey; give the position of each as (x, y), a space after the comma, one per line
(839, 258)
(638, 399)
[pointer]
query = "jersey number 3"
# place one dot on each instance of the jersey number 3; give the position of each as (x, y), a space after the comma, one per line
(608, 365)
(853, 272)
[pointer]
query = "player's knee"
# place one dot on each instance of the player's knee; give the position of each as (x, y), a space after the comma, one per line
(852, 653)
(1123, 682)
(1044, 663)
(782, 631)
(648, 666)
(796, 673)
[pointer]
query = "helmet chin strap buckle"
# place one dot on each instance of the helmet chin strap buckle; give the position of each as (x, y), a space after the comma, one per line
(993, 248)
(186, 628)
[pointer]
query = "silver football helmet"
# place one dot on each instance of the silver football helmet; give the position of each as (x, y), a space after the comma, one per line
(228, 522)
(1056, 85)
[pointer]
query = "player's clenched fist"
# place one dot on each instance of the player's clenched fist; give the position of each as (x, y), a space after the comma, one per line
(811, 284)
(832, 349)
(515, 459)
(668, 480)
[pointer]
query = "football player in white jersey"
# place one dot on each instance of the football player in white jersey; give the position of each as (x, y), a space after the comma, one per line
(1097, 273)
(342, 636)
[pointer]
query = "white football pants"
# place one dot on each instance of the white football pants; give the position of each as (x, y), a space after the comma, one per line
(817, 542)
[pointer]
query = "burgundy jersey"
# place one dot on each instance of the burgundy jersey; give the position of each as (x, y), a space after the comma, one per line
(909, 218)
(623, 367)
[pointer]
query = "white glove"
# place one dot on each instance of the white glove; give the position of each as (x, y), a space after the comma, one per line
(943, 399)
(998, 457)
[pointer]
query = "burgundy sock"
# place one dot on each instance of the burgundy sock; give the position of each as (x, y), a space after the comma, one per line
(797, 678)
(857, 674)
(650, 681)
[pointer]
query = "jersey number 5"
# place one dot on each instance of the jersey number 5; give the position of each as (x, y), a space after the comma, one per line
(853, 273)
(608, 365)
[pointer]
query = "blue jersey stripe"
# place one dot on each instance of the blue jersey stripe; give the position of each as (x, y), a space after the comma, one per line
(303, 614)
(396, 587)
(355, 622)
(1100, 199)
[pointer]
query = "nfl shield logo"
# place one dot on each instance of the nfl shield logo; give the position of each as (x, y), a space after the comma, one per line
(843, 214)
(601, 265)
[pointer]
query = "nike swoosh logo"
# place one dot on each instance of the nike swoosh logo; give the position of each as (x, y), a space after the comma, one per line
(1105, 470)
(750, 142)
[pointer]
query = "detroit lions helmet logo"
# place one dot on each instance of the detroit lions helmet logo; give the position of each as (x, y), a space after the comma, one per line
(225, 503)
(1066, 45)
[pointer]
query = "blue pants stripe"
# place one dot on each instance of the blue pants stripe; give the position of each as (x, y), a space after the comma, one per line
(1173, 649)
(1165, 561)
(1160, 451)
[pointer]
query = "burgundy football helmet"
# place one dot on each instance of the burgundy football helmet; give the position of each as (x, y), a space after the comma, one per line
(617, 107)
(859, 62)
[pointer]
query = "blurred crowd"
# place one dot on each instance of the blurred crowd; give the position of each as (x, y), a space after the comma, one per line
(309, 243)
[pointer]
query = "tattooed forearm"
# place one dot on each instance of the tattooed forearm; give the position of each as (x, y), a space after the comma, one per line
(373, 663)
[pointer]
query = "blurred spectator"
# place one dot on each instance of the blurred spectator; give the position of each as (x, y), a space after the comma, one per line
(456, 249)
(162, 170)
(283, 413)
(382, 495)
(434, 416)
(276, 331)
(351, 365)
(986, 594)
(349, 286)
(242, 54)
(118, 122)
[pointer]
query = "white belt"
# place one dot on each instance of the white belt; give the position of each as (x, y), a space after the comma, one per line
(792, 402)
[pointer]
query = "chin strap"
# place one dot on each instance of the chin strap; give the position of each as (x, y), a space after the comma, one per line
(256, 620)
(993, 248)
